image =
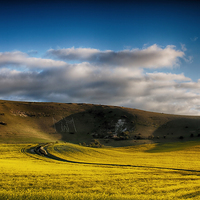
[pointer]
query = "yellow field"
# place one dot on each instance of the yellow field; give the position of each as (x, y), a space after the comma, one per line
(169, 171)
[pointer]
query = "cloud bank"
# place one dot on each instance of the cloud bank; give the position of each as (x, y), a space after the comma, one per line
(151, 57)
(99, 78)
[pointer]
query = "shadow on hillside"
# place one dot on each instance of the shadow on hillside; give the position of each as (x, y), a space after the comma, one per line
(173, 146)
(82, 126)
(176, 135)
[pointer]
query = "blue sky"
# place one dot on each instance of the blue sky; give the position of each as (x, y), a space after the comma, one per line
(92, 38)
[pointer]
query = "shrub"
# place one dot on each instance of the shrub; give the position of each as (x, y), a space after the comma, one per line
(181, 137)
(126, 133)
(121, 137)
(96, 142)
(191, 135)
(3, 123)
(92, 144)
(84, 144)
(138, 137)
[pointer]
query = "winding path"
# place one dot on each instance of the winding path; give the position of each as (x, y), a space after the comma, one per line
(30, 152)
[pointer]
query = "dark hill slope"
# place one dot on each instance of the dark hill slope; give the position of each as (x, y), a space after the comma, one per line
(78, 123)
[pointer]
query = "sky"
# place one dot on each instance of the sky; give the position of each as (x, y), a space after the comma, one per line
(137, 54)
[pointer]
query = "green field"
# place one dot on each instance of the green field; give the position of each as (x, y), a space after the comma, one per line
(75, 172)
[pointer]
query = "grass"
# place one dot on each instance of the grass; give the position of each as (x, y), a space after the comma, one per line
(38, 122)
(137, 172)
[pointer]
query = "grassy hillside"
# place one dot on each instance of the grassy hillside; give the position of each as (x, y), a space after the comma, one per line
(81, 123)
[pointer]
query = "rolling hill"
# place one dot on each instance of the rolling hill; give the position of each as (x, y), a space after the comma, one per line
(166, 169)
(22, 122)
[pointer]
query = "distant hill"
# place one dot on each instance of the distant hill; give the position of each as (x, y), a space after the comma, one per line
(82, 123)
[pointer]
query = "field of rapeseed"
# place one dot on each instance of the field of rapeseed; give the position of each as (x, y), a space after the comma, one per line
(169, 171)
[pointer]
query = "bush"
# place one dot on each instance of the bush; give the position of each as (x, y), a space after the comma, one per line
(121, 137)
(126, 133)
(84, 144)
(127, 137)
(95, 144)
(92, 144)
(3, 123)
(181, 137)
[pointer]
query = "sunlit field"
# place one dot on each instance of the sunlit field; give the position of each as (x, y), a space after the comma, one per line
(168, 171)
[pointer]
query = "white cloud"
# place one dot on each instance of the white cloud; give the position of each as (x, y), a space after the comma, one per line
(18, 58)
(188, 59)
(151, 57)
(168, 77)
(183, 47)
(91, 82)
